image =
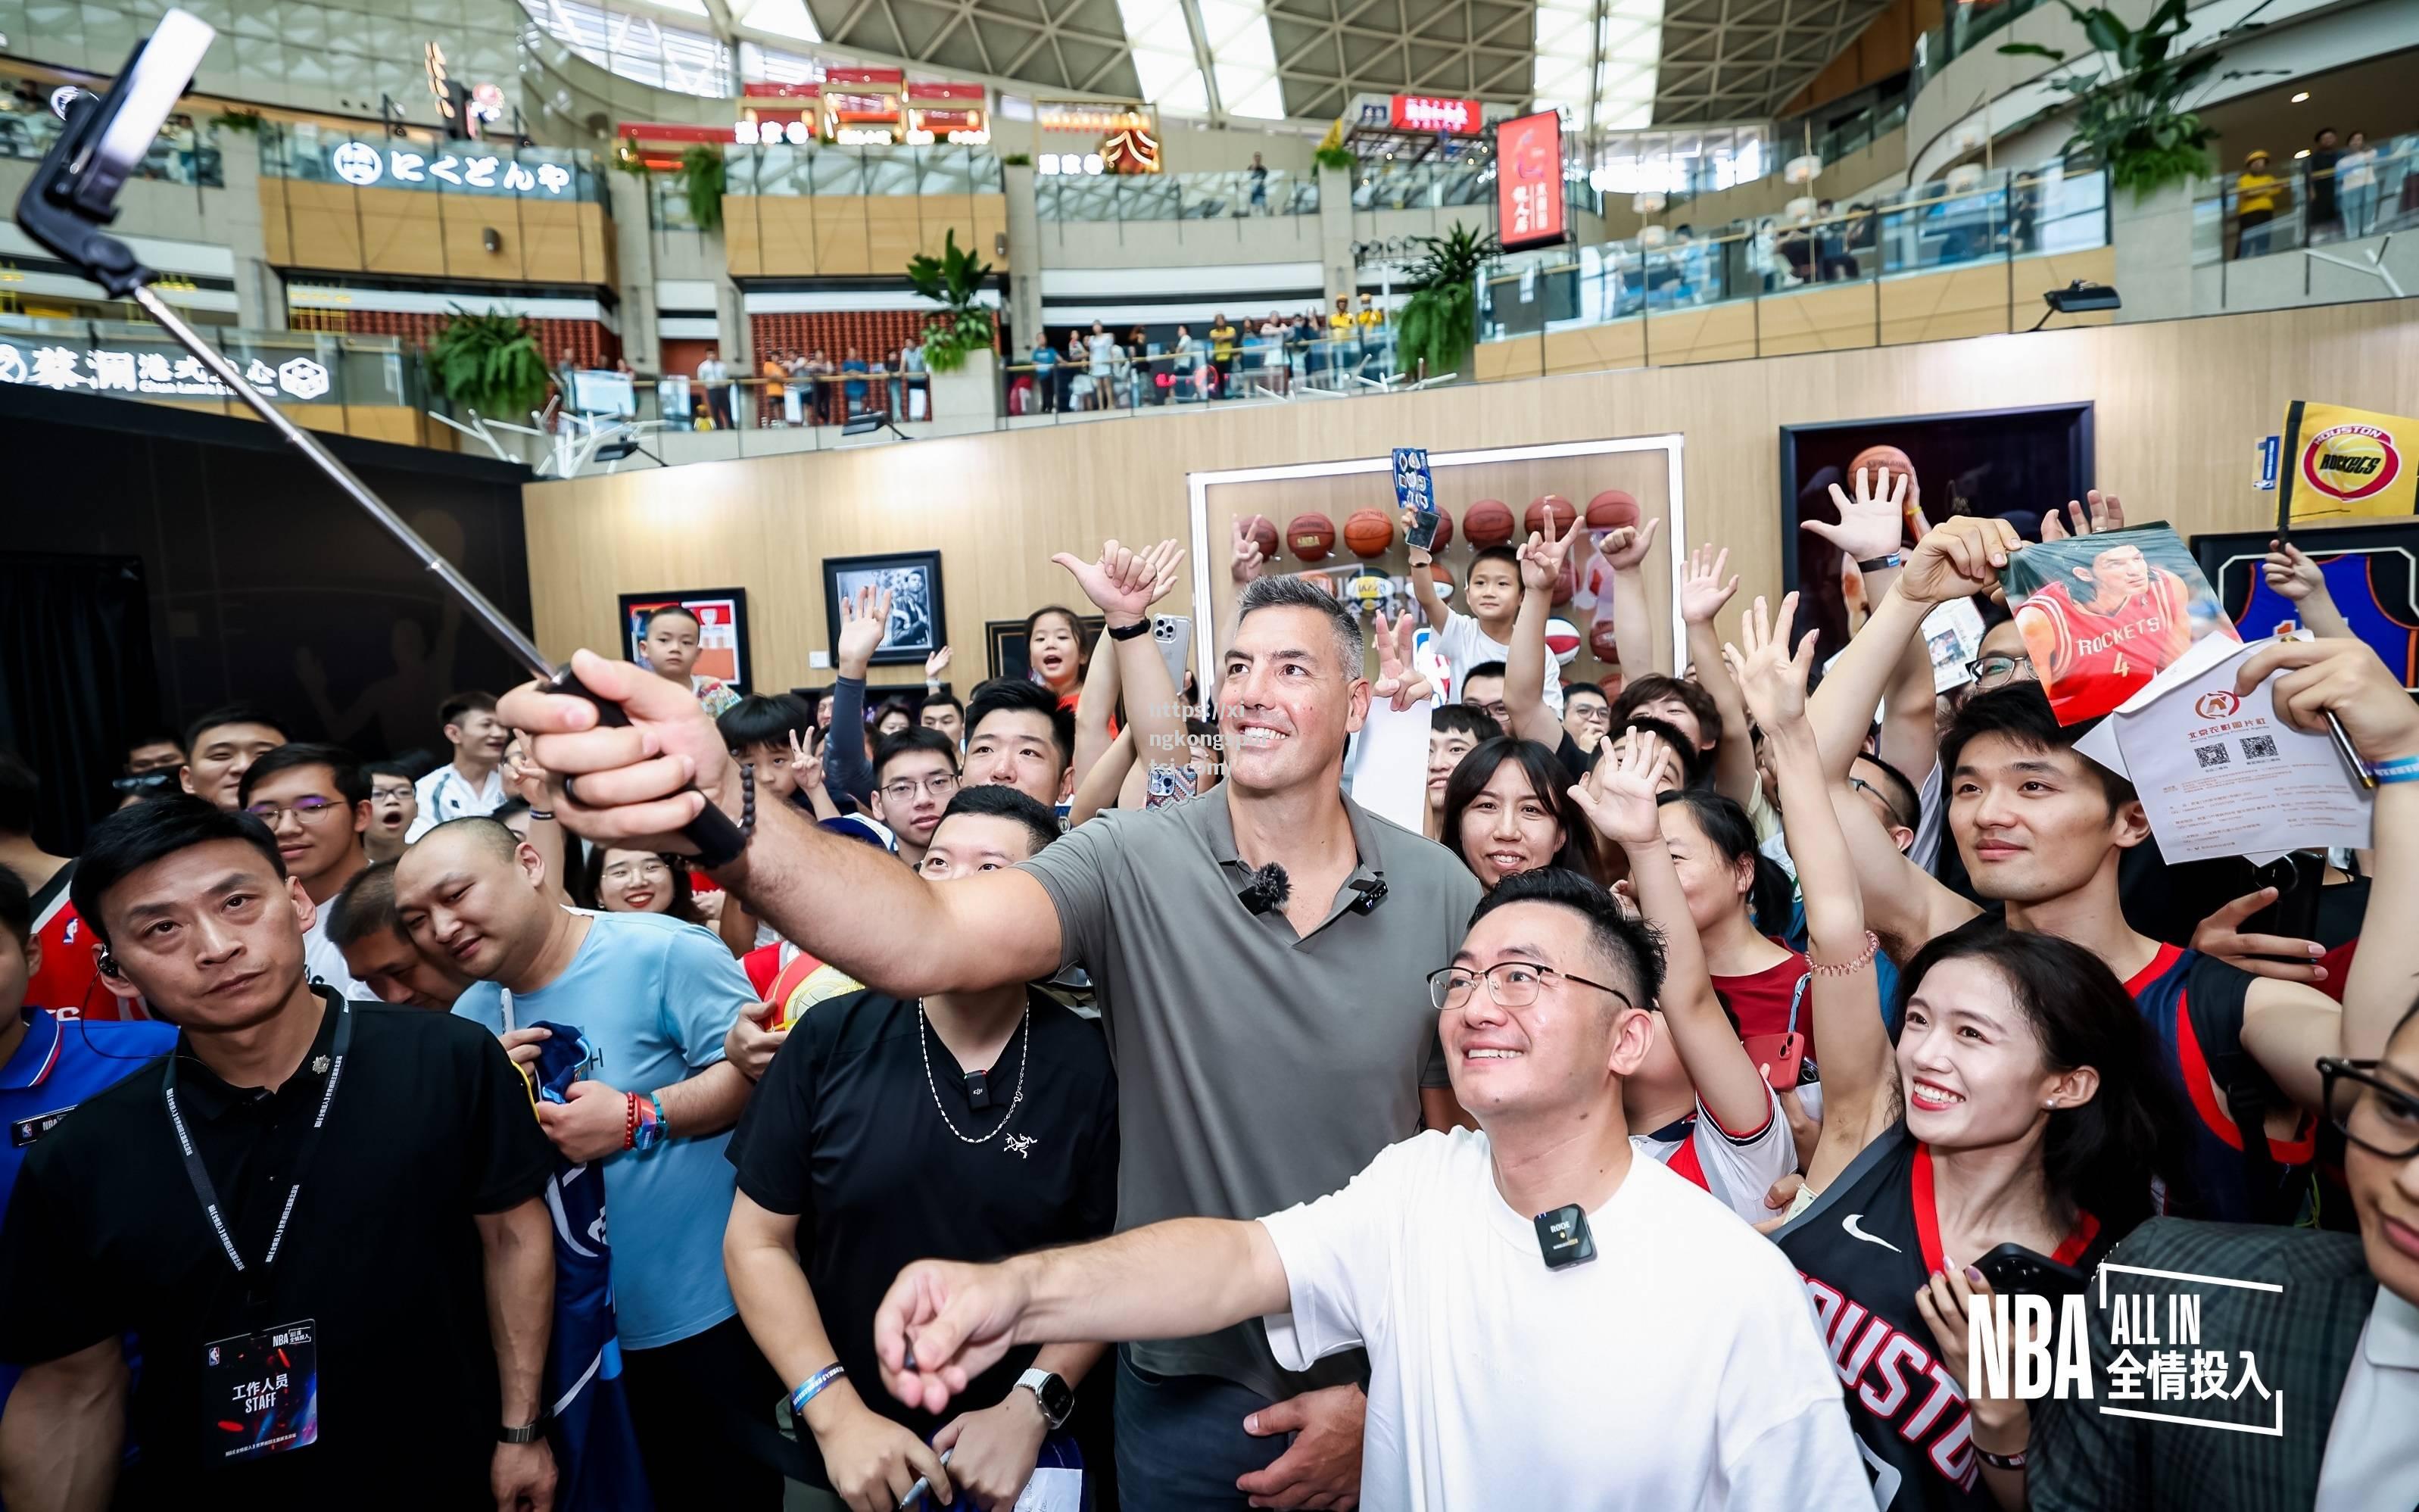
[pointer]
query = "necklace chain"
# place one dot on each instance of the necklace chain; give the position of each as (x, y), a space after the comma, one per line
(1024, 1056)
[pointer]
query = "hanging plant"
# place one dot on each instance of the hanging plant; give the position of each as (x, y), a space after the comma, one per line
(238, 120)
(2128, 110)
(701, 180)
(1334, 157)
(1438, 324)
(1016, 160)
(954, 280)
(488, 364)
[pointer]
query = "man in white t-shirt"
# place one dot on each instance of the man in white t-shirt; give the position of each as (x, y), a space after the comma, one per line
(316, 801)
(471, 786)
(1631, 1345)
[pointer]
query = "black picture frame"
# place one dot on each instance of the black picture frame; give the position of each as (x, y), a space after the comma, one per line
(1003, 648)
(1803, 498)
(918, 611)
(701, 602)
(2230, 560)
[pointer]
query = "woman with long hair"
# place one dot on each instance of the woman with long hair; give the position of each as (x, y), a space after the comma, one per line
(1738, 898)
(1507, 808)
(2020, 1104)
(638, 882)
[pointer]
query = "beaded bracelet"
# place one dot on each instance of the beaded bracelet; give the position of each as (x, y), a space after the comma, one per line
(1843, 969)
(629, 1120)
(812, 1387)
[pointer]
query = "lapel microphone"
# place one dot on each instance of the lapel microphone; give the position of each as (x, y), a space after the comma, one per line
(1372, 894)
(1268, 890)
(1563, 1237)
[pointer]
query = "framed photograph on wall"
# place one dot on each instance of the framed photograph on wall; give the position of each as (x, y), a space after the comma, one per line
(2008, 463)
(721, 629)
(2372, 574)
(1004, 644)
(918, 622)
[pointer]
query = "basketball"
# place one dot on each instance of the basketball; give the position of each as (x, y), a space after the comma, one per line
(1888, 459)
(1562, 642)
(1600, 641)
(1443, 577)
(1369, 533)
(1550, 516)
(1611, 510)
(1312, 536)
(1444, 531)
(1488, 522)
(1264, 530)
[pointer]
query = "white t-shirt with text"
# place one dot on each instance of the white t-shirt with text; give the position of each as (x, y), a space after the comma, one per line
(1678, 1369)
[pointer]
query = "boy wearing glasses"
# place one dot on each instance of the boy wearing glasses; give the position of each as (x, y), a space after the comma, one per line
(1524, 1247)
(394, 808)
(914, 776)
(316, 801)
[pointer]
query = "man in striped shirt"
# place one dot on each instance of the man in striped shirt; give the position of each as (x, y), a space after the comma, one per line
(472, 784)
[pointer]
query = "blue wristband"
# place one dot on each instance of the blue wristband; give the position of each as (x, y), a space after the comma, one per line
(662, 1122)
(2402, 769)
(812, 1387)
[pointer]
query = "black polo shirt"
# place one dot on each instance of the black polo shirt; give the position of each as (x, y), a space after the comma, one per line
(844, 1131)
(430, 1126)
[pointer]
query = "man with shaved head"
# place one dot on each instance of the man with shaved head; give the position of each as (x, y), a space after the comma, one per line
(378, 950)
(653, 998)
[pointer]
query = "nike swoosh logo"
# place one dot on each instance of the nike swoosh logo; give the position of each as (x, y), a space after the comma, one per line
(1856, 1232)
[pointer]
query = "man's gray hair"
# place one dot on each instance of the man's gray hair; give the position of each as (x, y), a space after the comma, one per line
(1301, 593)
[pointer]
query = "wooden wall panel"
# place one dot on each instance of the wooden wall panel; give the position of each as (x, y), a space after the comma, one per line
(893, 232)
(276, 233)
(990, 224)
(937, 215)
(1829, 319)
(785, 232)
(465, 223)
(399, 233)
(839, 233)
(2178, 405)
(1711, 333)
(743, 238)
(325, 225)
(1971, 301)
(1594, 349)
(549, 239)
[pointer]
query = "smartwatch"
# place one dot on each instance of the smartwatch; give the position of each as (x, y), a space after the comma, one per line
(528, 1432)
(1056, 1397)
(1128, 632)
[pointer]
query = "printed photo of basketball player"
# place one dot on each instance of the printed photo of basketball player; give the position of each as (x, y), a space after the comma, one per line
(2103, 614)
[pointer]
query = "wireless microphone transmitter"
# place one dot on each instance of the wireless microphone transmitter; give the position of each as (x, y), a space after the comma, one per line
(1564, 1238)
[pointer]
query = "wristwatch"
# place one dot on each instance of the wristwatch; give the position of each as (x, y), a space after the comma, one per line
(528, 1432)
(1057, 1398)
(1879, 563)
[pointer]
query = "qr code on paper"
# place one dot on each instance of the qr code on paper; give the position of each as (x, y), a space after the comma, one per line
(2258, 747)
(2210, 755)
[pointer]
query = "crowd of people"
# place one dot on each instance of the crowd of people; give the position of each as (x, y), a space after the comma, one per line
(1095, 368)
(1112, 1091)
(2335, 183)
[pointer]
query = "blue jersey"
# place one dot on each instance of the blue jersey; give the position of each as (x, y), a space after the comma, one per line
(2163, 992)
(62, 1061)
(2352, 583)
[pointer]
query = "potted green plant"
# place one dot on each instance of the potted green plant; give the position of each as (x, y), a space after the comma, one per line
(1439, 323)
(702, 183)
(2128, 107)
(958, 338)
(488, 364)
(1334, 157)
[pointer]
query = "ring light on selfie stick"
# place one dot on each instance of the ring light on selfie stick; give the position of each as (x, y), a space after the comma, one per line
(73, 194)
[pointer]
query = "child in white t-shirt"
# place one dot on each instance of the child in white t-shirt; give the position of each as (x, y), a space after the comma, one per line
(1492, 592)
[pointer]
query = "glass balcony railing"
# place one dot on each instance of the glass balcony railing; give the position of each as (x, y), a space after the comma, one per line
(311, 153)
(183, 153)
(1233, 194)
(2006, 215)
(2366, 192)
(137, 359)
(781, 169)
(1968, 25)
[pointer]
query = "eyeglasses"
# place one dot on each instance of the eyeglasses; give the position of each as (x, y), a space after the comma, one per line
(1997, 671)
(1511, 983)
(310, 810)
(632, 871)
(2374, 1114)
(1879, 796)
(394, 795)
(939, 784)
(1501, 712)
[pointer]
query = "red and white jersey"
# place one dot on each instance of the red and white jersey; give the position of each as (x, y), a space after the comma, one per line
(1737, 1168)
(70, 980)
(2127, 643)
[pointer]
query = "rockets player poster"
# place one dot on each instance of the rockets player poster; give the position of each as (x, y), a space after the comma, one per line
(2103, 614)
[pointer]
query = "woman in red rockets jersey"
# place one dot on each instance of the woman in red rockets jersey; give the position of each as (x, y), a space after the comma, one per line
(2021, 1105)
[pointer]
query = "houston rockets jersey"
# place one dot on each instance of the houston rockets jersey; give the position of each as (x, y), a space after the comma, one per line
(2163, 992)
(69, 977)
(1737, 1170)
(2118, 650)
(1864, 1249)
(2353, 582)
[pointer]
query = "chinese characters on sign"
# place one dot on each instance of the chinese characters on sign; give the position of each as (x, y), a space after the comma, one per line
(61, 369)
(1528, 182)
(1426, 112)
(360, 164)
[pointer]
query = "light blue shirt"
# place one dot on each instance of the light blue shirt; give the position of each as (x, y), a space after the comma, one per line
(654, 996)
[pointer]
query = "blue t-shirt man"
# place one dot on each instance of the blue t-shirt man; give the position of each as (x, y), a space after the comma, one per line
(654, 996)
(62, 1061)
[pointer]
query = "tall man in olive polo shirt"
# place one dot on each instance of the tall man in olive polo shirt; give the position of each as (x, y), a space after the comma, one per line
(1269, 1039)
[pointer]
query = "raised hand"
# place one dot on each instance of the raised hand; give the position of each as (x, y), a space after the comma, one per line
(2339, 677)
(1618, 796)
(1957, 558)
(807, 760)
(1124, 584)
(1870, 523)
(1542, 556)
(935, 664)
(1396, 681)
(1771, 679)
(2290, 572)
(2107, 513)
(863, 622)
(524, 778)
(1704, 591)
(1624, 547)
(2282, 956)
(1244, 563)
(1410, 520)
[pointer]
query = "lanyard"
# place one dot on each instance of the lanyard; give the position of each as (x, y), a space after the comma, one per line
(200, 1177)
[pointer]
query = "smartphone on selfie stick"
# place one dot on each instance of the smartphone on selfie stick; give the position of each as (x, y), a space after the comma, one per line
(73, 196)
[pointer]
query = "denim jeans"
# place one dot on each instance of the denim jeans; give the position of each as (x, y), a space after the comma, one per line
(2358, 208)
(1181, 1444)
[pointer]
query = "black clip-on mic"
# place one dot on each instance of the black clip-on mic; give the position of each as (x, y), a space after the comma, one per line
(1372, 892)
(1267, 889)
(73, 193)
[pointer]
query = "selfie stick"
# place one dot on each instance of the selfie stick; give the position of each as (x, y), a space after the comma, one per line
(73, 194)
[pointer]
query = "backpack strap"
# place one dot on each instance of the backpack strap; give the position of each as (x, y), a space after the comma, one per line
(2215, 994)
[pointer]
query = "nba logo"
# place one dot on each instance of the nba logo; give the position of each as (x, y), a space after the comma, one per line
(214, 1354)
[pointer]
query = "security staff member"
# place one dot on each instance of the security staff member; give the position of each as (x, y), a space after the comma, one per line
(323, 1220)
